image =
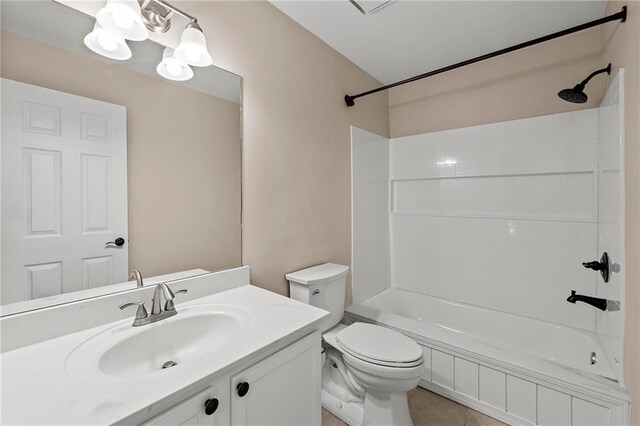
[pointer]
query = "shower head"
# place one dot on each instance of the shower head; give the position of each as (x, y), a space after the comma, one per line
(576, 95)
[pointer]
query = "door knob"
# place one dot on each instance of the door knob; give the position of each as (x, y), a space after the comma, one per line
(210, 406)
(602, 266)
(242, 389)
(119, 242)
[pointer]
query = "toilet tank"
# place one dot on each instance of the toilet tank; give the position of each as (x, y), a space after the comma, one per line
(322, 286)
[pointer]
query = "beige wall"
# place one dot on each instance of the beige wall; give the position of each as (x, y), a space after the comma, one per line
(184, 156)
(296, 160)
(517, 85)
(621, 47)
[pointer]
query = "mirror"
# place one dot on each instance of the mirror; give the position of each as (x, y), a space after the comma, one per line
(107, 167)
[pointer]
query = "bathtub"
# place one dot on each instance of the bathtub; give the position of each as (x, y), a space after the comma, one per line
(516, 369)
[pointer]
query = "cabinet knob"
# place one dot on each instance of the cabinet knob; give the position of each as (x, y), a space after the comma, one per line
(210, 406)
(242, 388)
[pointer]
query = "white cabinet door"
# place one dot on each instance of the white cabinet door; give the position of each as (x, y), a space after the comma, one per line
(283, 389)
(196, 411)
(64, 192)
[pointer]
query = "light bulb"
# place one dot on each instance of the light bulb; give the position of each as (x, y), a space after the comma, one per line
(123, 20)
(107, 42)
(174, 68)
(192, 55)
(193, 47)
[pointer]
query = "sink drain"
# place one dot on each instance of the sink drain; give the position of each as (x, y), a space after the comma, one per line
(169, 364)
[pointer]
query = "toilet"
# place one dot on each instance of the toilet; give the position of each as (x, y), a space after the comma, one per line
(367, 369)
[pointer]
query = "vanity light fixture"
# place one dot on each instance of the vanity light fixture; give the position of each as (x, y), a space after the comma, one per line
(193, 46)
(127, 19)
(124, 19)
(173, 68)
(107, 44)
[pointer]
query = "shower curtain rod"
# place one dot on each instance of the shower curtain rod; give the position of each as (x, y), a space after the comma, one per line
(621, 16)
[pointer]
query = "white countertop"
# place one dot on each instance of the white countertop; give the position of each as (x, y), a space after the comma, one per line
(37, 388)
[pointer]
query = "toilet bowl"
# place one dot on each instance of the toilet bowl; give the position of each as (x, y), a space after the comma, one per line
(384, 365)
(367, 369)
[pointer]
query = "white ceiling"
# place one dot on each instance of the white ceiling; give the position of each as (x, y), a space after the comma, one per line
(407, 37)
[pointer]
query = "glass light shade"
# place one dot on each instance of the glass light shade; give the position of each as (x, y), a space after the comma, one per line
(193, 48)
(123, 18)
(173, 68)
(107, 44)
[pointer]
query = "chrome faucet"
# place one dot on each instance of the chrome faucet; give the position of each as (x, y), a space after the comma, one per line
(136, 275)
(158, 310)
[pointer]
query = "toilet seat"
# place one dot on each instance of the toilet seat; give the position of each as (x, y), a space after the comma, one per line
(382, 363)
(390, 374)
(380, 346)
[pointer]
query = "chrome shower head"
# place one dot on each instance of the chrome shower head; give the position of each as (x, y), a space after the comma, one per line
(576, 95)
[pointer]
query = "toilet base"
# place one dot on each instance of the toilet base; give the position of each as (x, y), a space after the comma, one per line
(349, 412)
(386, 408)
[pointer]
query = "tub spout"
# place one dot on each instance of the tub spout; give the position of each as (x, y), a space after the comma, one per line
(593, 301)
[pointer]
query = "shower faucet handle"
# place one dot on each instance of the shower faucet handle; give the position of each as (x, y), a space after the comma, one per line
(602, 265)
(595, 265)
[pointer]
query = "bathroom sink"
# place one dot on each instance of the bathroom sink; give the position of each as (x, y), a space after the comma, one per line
(123, 350)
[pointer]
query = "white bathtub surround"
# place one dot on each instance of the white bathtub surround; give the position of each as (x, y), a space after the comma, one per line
(499, 215)
(76, 389)
(370, 214)
(611, 218)
(518, 370)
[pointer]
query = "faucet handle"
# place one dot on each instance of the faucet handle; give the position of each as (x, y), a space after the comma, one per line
(166, 291)
(141, 312)
(169, 306)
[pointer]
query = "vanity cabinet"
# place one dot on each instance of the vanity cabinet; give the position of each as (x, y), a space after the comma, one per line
(199, 410)
(281, 389)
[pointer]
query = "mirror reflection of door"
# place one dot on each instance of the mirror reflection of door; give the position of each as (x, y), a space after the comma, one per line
(64, 192)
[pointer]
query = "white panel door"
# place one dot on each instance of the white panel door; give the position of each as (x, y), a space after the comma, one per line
(284, 389)
(64, 192)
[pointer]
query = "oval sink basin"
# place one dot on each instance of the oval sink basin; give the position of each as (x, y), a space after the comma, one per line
(125, 350)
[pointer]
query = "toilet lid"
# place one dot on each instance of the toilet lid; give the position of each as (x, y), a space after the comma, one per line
(379, 344)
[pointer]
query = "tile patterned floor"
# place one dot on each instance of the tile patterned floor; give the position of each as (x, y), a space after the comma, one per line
(429, 409)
